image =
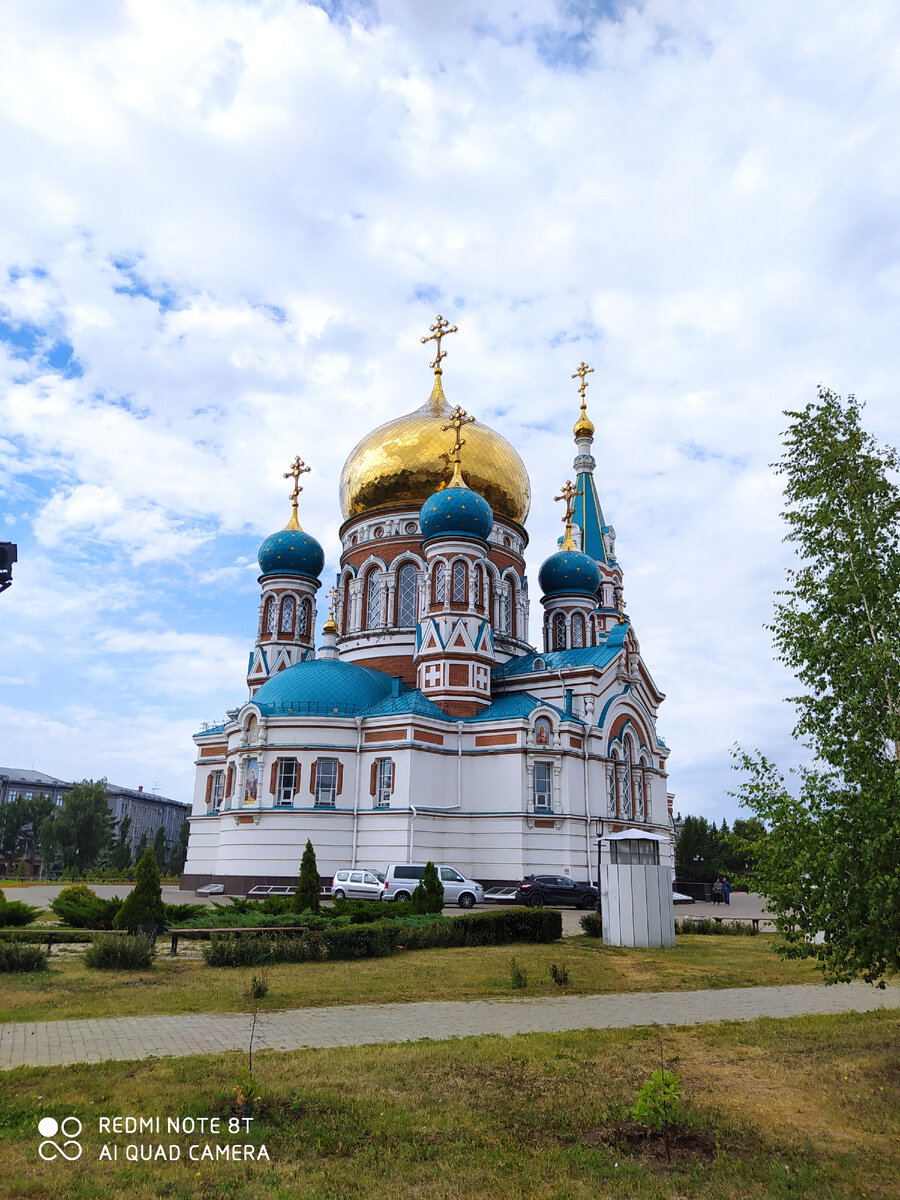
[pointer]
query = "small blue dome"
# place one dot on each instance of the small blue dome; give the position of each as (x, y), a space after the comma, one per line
(456, 510)
(322, 685)
(291, 552)
(569, 571)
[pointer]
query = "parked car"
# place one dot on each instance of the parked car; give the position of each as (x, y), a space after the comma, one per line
(360, 884)
(402, 879)
(538, 890)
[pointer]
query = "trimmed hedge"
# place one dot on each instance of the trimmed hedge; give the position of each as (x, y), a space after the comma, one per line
(381, 938)
(33, 937)
(18, 956)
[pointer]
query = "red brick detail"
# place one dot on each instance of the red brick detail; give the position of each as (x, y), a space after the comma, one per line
(428, 735)
(385, 735)
(273, 778)
(213, 751)
(460, 641)
(577, 742)
(543, 824)
(297, 784)
(396, 664)
(229, 779)
(460, 708)
(496, 739)
(387, 549)
(340, 778)
(458, 675)
(245, 820)
(372, 775)
(312, 778)
(209, 788)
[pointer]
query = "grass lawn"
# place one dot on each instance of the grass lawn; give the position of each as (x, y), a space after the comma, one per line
(806, 1106)
(69, 990)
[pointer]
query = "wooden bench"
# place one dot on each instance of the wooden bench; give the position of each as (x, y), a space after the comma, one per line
(175, 934)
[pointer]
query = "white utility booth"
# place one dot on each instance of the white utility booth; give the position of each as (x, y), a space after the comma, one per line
(635, 891)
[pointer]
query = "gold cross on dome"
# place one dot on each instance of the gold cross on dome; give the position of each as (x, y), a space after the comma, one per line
(438, 330)
(457, 421)
(583, 370)
(298, 468)
(569, 494)
(332, 596)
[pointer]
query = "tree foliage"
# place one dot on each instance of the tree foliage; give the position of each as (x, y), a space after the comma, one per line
(429, 894)
(831, 861)
(143, 904)
(79, 830)
(306, 897)
(179, 850)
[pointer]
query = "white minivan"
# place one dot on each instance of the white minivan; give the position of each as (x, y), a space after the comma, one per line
(402, 879)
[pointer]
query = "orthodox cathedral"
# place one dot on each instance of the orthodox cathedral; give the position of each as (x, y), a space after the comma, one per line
(425, 726)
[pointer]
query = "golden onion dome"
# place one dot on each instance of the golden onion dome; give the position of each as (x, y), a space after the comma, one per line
(403, 462)
(584, 426)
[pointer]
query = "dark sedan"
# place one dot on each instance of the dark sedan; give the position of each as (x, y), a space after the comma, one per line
(553, 890)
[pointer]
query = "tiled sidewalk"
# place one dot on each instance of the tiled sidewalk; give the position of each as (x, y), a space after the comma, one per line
(50, 1043)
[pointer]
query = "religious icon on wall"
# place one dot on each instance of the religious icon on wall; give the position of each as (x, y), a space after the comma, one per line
(542, 733)
(251, 782)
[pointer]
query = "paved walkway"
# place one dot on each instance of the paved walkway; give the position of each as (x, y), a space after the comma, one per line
(51, 1043)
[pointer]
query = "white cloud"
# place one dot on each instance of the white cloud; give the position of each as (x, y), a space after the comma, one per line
(229, 211)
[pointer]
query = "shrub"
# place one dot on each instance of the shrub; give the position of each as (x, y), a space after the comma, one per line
(592, 924)
(143, 905)
(17, 956)
(120, 952)
(658, 1104)
(80, 907)
(308, 885)
(559, 974)
(518, 976)
(709, 926)
(175, 914)
(258, 987)
(429, 894)
(15, 913)
(377, 939)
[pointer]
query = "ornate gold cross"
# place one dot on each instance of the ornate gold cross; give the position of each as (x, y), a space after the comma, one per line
(583, 370)
(569, 493)
(332, 596)
(298, 468)
(457, 421)
(438, 330)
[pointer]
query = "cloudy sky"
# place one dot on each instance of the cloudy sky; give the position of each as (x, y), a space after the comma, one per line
(225, 225)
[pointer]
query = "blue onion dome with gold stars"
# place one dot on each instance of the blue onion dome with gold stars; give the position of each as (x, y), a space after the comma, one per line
(569, 571)
(456, 512)
(290, 551)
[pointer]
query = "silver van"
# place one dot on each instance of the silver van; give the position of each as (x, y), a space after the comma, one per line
(359, 884)
(402, 879)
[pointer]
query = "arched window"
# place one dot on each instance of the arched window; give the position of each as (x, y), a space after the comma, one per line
(438, 584)
(305, 614)
(611, 787)
(478, 586)
(287, 614)
(407, 588)
(458, 586)
(373, 600)
(505, 606)
(270, 615)
(559, 631)
(627, 806)
(577, 630)
(345, 607)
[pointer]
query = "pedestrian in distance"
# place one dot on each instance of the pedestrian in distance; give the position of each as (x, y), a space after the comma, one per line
(726, 889)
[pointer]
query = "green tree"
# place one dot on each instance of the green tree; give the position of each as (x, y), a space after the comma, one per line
(429, 895)
(159, 844)
(141, 846)
(121, 850)
(143, 904)
(306, 897)
(179, 850)
(78, 830)
(830, 862)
